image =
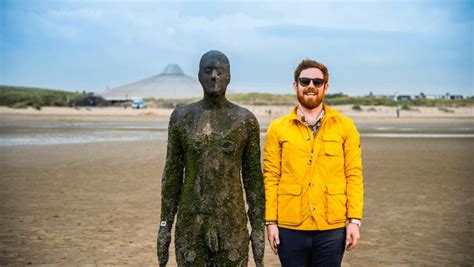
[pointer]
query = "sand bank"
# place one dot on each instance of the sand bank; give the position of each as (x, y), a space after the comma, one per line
(263, 113)
(99, 204)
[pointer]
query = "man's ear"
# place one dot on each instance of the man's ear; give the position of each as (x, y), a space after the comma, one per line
(326, 87)
(295, 87)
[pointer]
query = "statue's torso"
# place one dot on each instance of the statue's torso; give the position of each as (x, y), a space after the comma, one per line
(213, 142)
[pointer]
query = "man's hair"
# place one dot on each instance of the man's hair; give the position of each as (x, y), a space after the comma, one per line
(309, 63)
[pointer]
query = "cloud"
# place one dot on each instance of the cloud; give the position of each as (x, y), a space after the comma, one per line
(80, 14)
(384, 16)
(124, 41)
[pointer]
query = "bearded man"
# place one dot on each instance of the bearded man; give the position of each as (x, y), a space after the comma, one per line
(312, 177)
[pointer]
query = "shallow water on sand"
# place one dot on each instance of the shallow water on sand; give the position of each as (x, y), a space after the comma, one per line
(41, 133)
(18, 134)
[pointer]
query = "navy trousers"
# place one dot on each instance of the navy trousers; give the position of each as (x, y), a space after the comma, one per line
(311, 248)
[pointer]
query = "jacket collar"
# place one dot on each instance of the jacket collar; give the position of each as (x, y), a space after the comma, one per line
(328, 112)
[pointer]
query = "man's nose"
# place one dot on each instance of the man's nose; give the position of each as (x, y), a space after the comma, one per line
(311, 85)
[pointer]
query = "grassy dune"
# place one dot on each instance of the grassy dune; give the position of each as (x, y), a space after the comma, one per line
(22, 97)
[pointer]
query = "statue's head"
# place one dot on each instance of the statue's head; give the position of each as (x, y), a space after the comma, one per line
(214, 73)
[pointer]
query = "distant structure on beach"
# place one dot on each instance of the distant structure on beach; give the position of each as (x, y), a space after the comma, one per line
(171, 83)
(397, 97)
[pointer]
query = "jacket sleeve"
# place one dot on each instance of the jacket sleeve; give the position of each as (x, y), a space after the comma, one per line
(353, 172)
(172, 179)
(271, 172)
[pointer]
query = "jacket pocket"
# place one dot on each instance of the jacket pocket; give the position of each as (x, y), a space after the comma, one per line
(289, 204)
(336, 203)
(332, 145)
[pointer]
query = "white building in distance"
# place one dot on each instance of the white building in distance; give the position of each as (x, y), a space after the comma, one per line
(171, 83)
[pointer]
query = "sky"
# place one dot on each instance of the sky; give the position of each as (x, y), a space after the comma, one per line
(383, 47)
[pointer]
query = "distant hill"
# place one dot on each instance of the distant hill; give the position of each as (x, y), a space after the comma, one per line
(330, 99)
(22, 97)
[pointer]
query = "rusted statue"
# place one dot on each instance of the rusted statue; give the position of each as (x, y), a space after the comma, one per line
(213, 146)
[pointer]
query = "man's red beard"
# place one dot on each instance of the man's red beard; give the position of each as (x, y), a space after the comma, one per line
(308, 101)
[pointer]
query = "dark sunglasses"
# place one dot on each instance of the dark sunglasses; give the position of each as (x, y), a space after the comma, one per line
(317, 82)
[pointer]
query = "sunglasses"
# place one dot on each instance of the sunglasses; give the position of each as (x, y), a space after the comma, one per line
(317, 82)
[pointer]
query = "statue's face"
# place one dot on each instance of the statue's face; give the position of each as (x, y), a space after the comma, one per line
(214, 74)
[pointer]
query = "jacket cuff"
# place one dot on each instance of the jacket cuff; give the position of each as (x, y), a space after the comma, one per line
(354, 215)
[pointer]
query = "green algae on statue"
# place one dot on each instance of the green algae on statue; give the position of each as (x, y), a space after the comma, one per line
(213, 147)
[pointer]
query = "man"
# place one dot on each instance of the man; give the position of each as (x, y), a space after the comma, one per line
(313, 177)
(212, 144)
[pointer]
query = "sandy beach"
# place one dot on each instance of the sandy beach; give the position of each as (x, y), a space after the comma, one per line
(98, 203)
(262, 112)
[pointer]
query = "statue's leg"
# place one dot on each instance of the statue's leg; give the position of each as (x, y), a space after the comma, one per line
(233, 246)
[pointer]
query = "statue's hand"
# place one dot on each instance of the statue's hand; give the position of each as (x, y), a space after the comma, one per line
(258, 246)
(162, 245)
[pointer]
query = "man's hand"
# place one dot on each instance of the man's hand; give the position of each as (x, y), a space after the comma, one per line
(258, 246)
(162, 245)
(273, 237)
(352, 236)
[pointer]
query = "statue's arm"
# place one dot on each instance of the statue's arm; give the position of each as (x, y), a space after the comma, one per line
(253, 185)
(171, 184)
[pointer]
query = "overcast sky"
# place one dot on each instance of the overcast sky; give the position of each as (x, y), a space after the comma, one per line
(385, 47)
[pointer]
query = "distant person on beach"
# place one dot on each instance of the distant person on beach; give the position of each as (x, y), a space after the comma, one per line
(213, 147)
(313, 177)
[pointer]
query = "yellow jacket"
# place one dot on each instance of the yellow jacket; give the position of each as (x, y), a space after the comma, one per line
(313, 183)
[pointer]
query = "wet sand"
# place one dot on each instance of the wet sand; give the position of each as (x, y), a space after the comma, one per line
(99, 203)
